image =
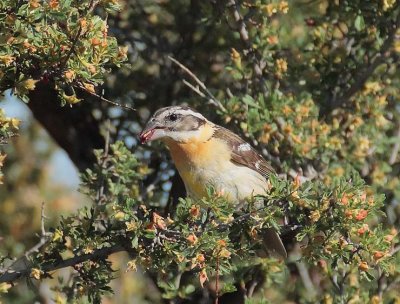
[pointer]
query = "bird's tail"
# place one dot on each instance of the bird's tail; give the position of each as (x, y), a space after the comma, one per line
(272, 245)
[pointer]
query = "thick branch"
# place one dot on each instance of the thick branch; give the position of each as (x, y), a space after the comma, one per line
(73, 128)
(99, 254)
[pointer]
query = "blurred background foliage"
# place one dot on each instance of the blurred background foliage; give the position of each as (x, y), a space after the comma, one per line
(312, 84)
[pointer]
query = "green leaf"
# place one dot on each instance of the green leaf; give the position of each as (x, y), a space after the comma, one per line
(359, 23)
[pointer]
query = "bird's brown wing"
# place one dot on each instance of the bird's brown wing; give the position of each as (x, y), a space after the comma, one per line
(243, 153)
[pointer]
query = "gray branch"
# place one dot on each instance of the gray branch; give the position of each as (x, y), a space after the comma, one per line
(98, 254)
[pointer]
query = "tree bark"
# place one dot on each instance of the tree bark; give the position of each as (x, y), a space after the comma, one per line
(73, 128)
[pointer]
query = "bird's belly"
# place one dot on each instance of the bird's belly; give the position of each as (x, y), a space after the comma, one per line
(236, 183)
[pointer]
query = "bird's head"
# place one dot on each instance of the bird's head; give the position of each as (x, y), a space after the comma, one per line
(177, 123)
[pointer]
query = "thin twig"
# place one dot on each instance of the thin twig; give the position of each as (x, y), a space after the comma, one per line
(24, 260)
(126, 107)
(72, 49)
(44, 237)
(102, 253)
(195, 89)
(249, 51)
(207, 94)
(244, 34)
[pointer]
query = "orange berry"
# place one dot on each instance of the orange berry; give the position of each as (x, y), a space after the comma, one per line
(69, 74)
(95, 41)
(192, 239)
(363, 229)
(378, 255)
(222, 243)
(363, 266)
(200, 258)
(362, 214)
(194, 211)
(348, 214)
(344, 200)
(388, 238)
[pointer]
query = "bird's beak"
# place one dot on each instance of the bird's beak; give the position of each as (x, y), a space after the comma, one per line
(152, 131)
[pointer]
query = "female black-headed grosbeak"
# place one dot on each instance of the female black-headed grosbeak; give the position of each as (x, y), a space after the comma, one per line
(206, 154)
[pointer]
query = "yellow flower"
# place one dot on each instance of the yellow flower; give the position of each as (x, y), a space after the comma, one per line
(284, 7)
(270, 9)
(71, 99)
(131, 226)
(89, 88)
(288, 129)
(224, 253)
(4, 287)
(281, 66)
(382, 100)
(122, 52)
(131, 266)
(287, 110)
(358, 121)
(387, 4)
(36, 273)
(304, 110)
(315, 216)
(372, 87)
(337, 171)
(7, 59)
(236, 58)
(381, 121)
(119, 216)
(58, 234)
(364, 143)
(69, 74)
(397, 46)
(327, 299)
(334, 143)
(59, 299)
(376, 300)
(88, 249)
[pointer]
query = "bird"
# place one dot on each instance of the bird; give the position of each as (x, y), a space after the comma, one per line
(208, 155)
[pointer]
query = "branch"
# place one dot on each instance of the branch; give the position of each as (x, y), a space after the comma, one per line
(99, 254)
(102, 98)
(207, 94)
(44, 237)
(244, 36)
(75, 129)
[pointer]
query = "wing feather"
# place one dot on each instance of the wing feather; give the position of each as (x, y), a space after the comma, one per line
(243, 153)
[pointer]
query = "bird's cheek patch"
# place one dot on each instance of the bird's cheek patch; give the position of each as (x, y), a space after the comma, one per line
(157, 134)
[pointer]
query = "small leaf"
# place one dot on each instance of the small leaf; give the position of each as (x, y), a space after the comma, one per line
(359, 23)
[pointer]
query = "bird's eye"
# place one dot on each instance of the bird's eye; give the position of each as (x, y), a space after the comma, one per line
(173, 117)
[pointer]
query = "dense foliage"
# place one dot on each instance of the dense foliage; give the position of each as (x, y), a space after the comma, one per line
(312, 85)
